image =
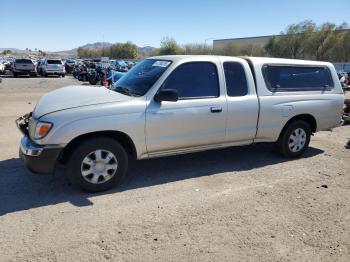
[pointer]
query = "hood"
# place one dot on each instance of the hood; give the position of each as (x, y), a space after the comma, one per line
(76, 96)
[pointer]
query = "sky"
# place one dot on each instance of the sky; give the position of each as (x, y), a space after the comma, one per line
(63, 25)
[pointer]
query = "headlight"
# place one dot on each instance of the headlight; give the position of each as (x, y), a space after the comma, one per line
(42, 129)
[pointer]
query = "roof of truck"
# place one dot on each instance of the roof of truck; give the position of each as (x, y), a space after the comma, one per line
(254, 60)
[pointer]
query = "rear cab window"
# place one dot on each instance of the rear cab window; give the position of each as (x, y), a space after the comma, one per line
(54, 62)
(24, 61)
(236, 80)
(279, 78)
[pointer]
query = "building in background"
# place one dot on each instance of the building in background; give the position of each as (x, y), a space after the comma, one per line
(260, 41)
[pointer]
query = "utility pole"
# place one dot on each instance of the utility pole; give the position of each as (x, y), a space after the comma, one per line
(103, 45)
(205, 43)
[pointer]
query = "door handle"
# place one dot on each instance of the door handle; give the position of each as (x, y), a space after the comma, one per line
(216, 109)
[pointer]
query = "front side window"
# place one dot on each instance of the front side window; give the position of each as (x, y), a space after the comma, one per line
(194, 80)
(297, 78)
(236, 81)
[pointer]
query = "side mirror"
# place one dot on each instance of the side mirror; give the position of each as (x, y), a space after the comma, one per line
(170, 95)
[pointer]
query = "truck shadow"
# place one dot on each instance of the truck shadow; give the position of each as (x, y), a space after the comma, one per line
(22, 190)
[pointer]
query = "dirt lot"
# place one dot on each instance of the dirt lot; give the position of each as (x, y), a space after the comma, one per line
(239, 204)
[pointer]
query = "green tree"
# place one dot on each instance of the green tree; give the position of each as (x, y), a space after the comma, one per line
(6, 52)
(129, 51)
(237, 49)
(251, 50)
(307, 41)
(168, 46)
(293, 43)
(342, 47)
(124, 51)
(230, 49)
(197, 49)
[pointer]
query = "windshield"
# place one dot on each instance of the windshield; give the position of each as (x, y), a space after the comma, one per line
(121, 63)
(141, 77)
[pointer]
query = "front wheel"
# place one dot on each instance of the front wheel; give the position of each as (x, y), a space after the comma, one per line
(98, 164)
(294, 139)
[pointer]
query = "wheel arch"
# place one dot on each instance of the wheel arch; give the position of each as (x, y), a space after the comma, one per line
(310, 119)
(121, 137)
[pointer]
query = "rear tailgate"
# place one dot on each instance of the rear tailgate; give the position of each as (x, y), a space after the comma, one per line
(24, 65)
(54, 65)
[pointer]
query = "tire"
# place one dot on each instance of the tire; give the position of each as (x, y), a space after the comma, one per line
(93, 80)
(85, 160)
(63, 75)
(292, 148)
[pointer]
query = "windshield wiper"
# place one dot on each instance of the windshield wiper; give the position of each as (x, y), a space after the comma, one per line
(122, 90)
(126, 91)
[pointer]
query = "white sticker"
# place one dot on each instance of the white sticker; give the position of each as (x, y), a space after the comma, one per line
(161, 63)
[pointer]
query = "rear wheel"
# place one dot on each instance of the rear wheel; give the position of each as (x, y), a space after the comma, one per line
(294, 139)
(98, 164)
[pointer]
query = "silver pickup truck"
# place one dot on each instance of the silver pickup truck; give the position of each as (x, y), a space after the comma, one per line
(23, 66)
(170, 105)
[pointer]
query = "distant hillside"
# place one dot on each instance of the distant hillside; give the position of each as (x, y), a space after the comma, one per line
(11, 49)
(144, 51)
(94, 46)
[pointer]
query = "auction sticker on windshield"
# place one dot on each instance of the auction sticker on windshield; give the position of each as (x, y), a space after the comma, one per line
(161, 63)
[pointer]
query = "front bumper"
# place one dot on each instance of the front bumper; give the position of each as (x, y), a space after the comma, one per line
(37, 158)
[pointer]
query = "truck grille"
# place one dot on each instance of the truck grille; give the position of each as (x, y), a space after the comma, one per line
(23, 123)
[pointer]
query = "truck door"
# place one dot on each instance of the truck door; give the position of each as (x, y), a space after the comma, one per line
(242, 102)
(198, 118)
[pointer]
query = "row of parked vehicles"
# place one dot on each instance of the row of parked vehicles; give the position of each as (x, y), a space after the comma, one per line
(27, 66)
(80, 68)
(101, 72)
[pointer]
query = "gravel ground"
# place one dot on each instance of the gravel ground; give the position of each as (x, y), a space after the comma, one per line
(237, 204)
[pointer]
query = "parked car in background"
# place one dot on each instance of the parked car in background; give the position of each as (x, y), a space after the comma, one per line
(23, 66)
(38, 66)
(69, 65)
(119, 65)
(346, 111)
(171, 105)
(52, 67)
(8, 64)
(2, 67)
(130, 64)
